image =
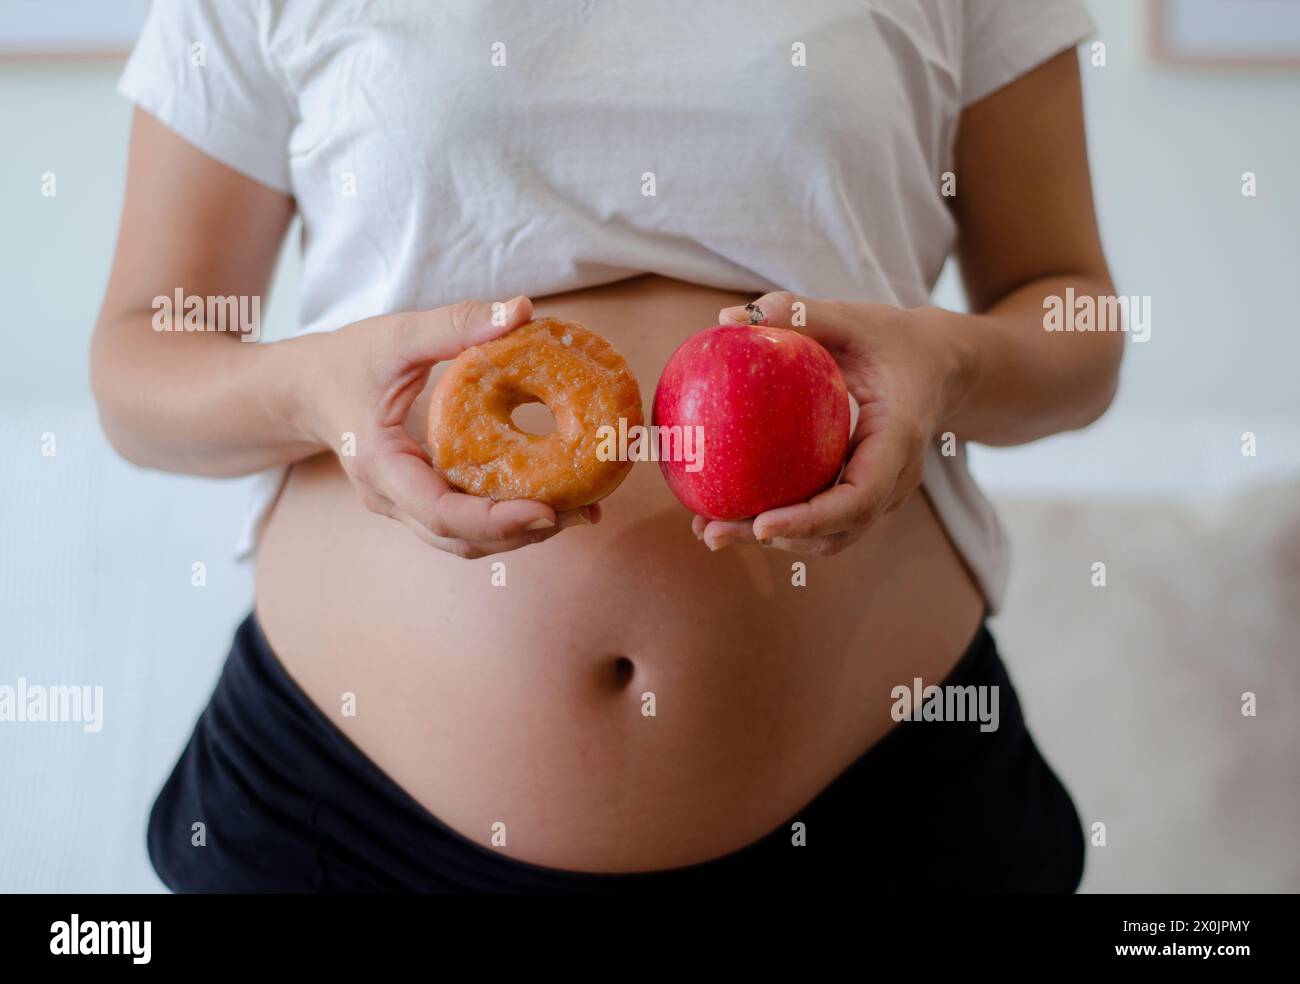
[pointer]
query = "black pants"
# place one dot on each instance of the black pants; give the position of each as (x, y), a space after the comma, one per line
(289, 804)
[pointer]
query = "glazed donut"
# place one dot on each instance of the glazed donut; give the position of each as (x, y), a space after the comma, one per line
(581, 380)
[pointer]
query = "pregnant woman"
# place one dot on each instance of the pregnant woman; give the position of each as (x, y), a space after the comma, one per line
(438, 692)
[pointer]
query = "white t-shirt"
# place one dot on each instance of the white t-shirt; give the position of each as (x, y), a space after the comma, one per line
(487, 148)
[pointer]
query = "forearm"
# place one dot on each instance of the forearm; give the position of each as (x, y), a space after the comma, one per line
(1015, 381)
(199, 403)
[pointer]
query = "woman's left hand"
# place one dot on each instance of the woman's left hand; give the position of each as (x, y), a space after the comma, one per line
(901, 367)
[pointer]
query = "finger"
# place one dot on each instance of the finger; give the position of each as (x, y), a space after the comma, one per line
(471, 517)
(814, 545)
(570, 520)
(512, 520)
(719, 533)
(418, 491)
(786, 545)
(445, 332)
(489, 547)
(582, 516)
(473, 549)
(776, 308)
(829, 322)
(862, 493)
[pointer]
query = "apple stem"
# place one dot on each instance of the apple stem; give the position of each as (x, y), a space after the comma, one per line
(755, 313)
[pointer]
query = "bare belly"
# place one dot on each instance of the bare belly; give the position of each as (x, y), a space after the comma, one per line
(627, 700)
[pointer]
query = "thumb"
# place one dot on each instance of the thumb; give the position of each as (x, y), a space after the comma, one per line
(776, 309)
(443, 333)
(822, 321)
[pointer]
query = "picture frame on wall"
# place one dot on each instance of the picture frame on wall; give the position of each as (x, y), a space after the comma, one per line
(1242, 33)
(70, 28)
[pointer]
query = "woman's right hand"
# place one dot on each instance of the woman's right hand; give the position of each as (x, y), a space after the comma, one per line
(363, 380)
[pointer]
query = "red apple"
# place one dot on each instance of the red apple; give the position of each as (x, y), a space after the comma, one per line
(773, 413)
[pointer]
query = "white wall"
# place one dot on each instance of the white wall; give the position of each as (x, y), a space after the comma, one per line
(1169, 146)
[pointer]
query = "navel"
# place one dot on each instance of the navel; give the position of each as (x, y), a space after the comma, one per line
(621, 670)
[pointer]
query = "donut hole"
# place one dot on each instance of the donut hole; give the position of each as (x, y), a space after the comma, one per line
(533, 417)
